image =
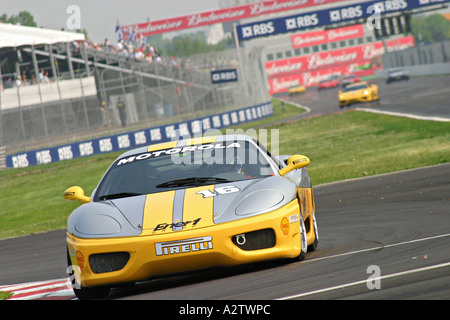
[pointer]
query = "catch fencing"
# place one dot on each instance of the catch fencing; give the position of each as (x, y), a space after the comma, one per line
(168, 92)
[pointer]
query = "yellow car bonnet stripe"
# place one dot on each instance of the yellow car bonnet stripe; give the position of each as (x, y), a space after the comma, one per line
(158, 209)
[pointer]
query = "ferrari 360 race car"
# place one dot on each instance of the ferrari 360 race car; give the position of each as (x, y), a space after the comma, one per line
(188, 205)
(296, 89)
(358, 92)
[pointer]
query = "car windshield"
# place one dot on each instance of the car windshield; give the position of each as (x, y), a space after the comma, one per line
(395, 70)
(356, 87)
(348, 77)
(182, 167)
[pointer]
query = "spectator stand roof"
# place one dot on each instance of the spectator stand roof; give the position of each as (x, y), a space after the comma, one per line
(13, 36)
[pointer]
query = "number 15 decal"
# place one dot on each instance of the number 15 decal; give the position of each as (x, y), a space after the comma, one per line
(218, 191)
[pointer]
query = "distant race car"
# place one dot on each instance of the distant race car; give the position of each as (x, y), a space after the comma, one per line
(397, 74)
(296, 89)
(188, 205)
(347, 80)
(358, 92)
(331, 82)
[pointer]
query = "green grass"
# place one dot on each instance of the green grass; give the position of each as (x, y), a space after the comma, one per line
(5, 295)
(355, 144)
(340, 146)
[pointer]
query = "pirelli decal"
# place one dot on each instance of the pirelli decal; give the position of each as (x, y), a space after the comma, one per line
(183, 246)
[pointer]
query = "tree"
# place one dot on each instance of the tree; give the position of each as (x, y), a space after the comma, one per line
(433, 28)
(24, 18)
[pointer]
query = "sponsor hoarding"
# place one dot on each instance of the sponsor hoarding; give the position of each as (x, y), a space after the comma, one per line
(311, 78)
(251, 10)
(337, 57)
(309, 70)
(315, 38)
(225, 75)
(329, 16)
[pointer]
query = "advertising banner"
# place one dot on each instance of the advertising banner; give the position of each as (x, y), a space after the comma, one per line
(139, 138)
(337, 57)
(308, 39)
(324, 17)
(225, 75)
(252, 10)
(312, 78)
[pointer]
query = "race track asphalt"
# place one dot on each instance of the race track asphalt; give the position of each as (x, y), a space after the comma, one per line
(395, 226)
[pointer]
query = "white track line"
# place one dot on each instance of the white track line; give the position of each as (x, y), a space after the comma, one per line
(405, 115)
(442, 265)
(446, 264)
(381, 247)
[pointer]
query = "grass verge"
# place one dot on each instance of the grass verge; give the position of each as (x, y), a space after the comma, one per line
(5, 295)
(340, 146)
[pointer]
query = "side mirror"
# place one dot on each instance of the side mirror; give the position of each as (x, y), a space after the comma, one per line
(76, 193)
(293, 163)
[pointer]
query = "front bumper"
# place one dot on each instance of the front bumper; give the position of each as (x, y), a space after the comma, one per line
(275, 235)
(355, 99)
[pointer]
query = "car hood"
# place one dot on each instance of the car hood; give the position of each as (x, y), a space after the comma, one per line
(181, 209)
(352, 94)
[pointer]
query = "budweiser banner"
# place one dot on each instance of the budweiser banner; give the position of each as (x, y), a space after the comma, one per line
(308, 70)
(318, 18)
(333, 58)
(312, 78)
(252, 10)
(315, 38)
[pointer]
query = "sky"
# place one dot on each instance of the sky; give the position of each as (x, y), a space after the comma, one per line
(99, 17)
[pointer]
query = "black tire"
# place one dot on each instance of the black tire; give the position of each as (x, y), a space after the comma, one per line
(313, 246)
(303, 243)
(91, 293)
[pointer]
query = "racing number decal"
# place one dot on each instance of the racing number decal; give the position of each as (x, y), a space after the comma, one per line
(218, 191)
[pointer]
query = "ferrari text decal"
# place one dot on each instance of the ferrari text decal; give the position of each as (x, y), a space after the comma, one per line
(181, 224)
(179, 150)
(183, 246)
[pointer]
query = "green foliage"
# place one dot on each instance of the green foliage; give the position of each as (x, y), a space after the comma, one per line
(24, 18)
(184, 45)
(432, 28)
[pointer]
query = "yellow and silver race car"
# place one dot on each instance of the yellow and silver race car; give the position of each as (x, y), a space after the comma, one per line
(296, 89)
(188, 205)
(358, 92)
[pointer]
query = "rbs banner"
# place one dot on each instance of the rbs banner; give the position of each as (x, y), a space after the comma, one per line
(324, 17)
(226, 75)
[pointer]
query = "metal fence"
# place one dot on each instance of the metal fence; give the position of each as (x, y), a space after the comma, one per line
(154, 93)
(421, 54)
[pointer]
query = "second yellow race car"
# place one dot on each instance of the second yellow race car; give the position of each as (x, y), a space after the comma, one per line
(296, 89)
(358, 92)
(188, 205)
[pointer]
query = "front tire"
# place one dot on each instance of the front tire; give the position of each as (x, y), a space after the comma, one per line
(91, 293)
(313, 246)
(303, 242)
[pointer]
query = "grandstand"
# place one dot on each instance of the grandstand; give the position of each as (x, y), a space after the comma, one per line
(57, 87)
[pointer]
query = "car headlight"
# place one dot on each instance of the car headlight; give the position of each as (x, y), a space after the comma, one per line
(366, 92)
(97, 224)
(258, 201)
